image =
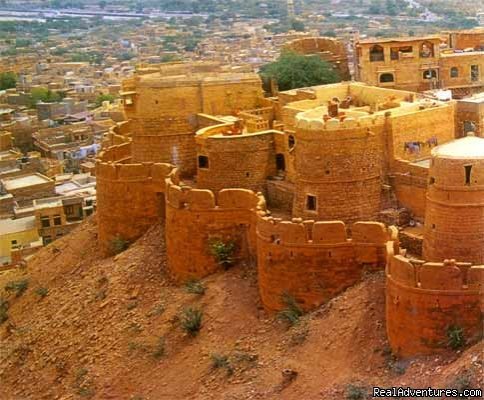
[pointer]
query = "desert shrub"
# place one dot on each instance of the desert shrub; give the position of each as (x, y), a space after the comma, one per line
(18, 287)
(195, 286)
(160, 349)
(223, 252)
(220, 361)
(118, 245)
(3, 310)
(191, 320)
(42, 292)
(156, 310)
(462, 382)
(355, 392)
(292, 313)
(455, 337)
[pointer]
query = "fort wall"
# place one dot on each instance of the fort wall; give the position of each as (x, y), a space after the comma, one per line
(409, 182)
(314, 261)
(129, 195)
(235, 161)
(197, 217)
(338, 169)
(424, 300)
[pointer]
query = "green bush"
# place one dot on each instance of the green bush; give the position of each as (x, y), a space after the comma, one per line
(195, 286)
(455, 337)
(292, 313)
(3, 310)
(19, 287)
(42, 292)
(220, 361)
(118, 245)
(159, 350)
(223, 252)
(354, 392)
(191, 320)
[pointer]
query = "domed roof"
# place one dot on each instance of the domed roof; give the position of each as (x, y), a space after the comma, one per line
(469, 147)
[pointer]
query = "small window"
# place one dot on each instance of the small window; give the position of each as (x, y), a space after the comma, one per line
(69, 210)
(426, 50)
(280, 162)
(386, 78)
(291, 142)
(377, 54)
(474, 73)
(432, 180)
(468, 170)
(203, 162)
(47, 240)
(45, 222)
(14, 242)
(454, 72)
(469, 126)
(430, 74)
(57, 220)
(88, 212)
(311, 202)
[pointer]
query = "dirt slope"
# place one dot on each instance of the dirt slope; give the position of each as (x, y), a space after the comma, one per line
(110, 329)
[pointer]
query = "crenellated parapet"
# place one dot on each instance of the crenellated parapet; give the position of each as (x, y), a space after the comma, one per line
(427, 300)
(314, 261)
(195, 218)
(127, 189)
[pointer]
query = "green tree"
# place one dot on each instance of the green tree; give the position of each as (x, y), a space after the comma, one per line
(7, 80)
(44, 95)
(104, 97)
(292, 71)
(297, 25)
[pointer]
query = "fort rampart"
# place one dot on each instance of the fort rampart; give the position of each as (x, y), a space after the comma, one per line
(129, 195)
(314, 261)
(196, 218)
(426, 301)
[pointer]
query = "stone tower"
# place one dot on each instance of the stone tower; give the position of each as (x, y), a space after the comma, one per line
(163, 111)
(338, 167)
(454, 220)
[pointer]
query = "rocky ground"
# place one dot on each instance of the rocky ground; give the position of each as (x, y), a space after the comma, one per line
(84, 326)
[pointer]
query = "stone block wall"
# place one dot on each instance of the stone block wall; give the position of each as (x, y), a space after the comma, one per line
(130, 196)
(409, 183)
(340, 165)
(314, 261)
(235, 161)
(425, 300)
(197, 217)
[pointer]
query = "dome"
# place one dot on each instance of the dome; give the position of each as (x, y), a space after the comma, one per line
(469, 147)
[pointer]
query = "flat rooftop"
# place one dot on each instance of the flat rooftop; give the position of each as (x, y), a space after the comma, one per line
(25, 181)
(9, 226)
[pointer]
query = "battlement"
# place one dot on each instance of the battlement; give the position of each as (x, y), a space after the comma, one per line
(181, 196)
(447, 276)
(313, 121)
(324, 233)
(314, 261)
(426, 299)
(120, 180)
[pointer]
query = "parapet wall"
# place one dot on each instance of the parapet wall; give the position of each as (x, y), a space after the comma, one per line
(129, 195)
(425, 300)
(314, 261)
(195, 218)
(244, 160)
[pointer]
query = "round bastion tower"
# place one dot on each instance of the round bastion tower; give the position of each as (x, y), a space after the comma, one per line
(338, 163)
(454, 220)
